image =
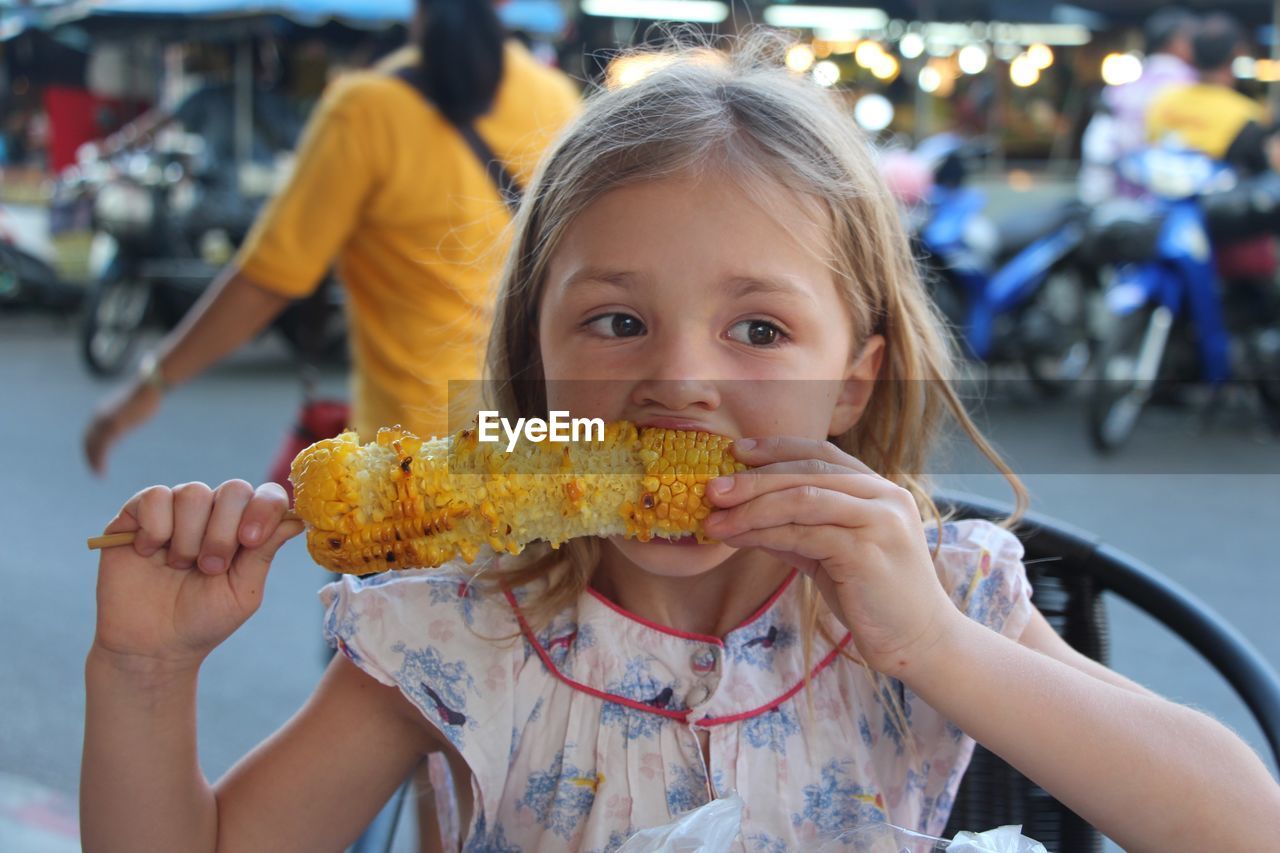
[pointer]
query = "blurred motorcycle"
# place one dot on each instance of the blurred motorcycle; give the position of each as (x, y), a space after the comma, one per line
(171, 227)
(28, 276)
(1015, 289)
(1176, 321)
(24, 278)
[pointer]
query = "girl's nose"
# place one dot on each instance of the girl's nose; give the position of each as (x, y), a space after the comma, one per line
(678, 376)
(675, 395)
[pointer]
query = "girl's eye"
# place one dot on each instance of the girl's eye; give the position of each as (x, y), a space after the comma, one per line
(757, 333)
(616, 325)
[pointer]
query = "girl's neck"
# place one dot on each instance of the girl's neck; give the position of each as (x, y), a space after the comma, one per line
(712, 603)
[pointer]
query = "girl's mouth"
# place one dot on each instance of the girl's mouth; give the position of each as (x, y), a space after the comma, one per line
(673, 423)
(683, 540)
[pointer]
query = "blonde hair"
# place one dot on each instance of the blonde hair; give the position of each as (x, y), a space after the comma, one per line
(745, 117)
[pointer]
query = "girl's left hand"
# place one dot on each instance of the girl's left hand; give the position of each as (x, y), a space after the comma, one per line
(858, 535)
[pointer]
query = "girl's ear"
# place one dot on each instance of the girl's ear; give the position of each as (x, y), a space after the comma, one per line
(859, 382)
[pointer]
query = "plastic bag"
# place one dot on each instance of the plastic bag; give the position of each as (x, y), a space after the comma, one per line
(882, 838)
(1006, 839)
(715, 827)
(707, 829)
(888, 838)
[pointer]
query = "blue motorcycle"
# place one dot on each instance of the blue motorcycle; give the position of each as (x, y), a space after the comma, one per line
(1014, 290)
(1171, 325)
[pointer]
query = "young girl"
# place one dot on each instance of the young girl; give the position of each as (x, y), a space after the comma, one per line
(709, 249)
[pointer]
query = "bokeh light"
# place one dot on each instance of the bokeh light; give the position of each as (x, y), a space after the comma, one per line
(1023, 71)
(972, 59)
(826, 73)
(873, 112)
(911, 46)
(1120, 68)
(800, 58)
(929, 79)
(1040, 55)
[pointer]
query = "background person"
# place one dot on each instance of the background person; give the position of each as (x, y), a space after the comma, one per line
(1119, 125)
(1212, 117)
(385, 183)
(1208, 114)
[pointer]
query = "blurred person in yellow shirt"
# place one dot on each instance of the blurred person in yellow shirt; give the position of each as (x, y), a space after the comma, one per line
(387, 185)
(1210, 115)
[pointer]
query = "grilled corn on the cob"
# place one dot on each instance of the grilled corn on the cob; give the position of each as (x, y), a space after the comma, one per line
(402, 502)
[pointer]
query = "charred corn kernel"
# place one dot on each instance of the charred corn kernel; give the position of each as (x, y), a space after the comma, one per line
(402, 502)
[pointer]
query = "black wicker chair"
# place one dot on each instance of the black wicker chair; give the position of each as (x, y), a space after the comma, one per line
(1070, 570)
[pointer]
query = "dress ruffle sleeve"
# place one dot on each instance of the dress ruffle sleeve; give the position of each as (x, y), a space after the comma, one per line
(450, 648)
(980, 565)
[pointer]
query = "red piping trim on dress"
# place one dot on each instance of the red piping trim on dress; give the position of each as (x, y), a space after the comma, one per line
(685, 635)
(682, 716)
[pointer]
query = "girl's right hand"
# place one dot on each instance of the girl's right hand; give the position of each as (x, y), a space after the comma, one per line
(194, 573)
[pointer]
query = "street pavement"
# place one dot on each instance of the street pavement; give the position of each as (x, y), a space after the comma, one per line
(1200, 504)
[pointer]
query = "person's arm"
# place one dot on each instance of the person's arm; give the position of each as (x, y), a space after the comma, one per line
(344, 754)
(231, 312)
(314, 785)
(1150, 774)
(194, 573)
(140, 759)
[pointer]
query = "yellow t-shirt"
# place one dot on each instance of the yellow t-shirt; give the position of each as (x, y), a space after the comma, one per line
(1204, 117)
(384, 184)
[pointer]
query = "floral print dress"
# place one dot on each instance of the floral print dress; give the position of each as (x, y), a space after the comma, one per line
(586, 731)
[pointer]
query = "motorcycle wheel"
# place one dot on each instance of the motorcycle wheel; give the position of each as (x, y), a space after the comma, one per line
(1055, 339)
(114, 314)
(1116, 399)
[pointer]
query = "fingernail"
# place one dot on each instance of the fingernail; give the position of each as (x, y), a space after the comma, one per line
(744, 443)
(714, 518)
(721, 485)
(212, 564)
(252, 533)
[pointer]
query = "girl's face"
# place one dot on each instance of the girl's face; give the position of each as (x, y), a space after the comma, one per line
(685, 304)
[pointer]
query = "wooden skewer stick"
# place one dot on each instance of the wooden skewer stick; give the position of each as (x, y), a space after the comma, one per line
(111, 540)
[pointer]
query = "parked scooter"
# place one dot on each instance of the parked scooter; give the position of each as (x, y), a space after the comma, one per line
(1014, 290)
(172, 229)
(27, 279)
(1166, 295)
